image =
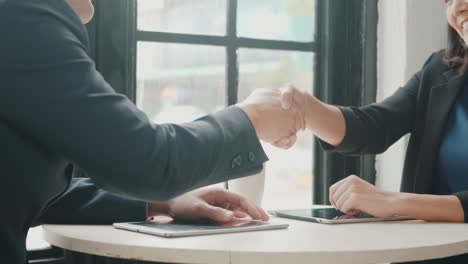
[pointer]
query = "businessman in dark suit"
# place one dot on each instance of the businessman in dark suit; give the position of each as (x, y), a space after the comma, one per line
(56, 109)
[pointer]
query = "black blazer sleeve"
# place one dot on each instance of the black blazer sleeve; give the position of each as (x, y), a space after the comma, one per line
(374, 128)
(84, 203)
(53, 95)
(463, 197)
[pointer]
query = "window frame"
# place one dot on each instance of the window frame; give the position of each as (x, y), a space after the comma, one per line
(338, 21)
(345, 76)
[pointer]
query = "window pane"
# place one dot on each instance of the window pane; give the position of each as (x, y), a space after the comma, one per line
(289, 173)
(178, 83)
(277, 19)
(207, 17)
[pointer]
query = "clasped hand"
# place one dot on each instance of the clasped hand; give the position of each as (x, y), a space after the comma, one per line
(277, 115)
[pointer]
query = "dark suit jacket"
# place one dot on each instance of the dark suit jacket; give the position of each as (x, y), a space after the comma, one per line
(56, 109)
(420, 108)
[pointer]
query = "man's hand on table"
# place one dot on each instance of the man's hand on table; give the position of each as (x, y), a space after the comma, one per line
(216, 204)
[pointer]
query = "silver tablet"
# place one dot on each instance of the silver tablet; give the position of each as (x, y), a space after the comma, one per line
(183, 229)
(331, 216)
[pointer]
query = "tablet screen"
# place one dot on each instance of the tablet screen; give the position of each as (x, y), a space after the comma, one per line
(324, 213)
(178, 226)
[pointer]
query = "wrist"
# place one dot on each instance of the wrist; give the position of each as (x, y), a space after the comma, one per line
(316, 112)
(310, 107)
(252, 114)
(433, 208)
(158, 209)
(399, 203)
(326, 121)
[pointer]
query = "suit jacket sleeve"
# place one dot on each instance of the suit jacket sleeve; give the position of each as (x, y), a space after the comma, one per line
(84, 203)
(72, 112)
(374, 128)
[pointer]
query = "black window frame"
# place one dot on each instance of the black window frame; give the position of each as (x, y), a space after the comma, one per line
(344, 75)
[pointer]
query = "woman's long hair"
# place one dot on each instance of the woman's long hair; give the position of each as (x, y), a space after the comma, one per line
(456, 55)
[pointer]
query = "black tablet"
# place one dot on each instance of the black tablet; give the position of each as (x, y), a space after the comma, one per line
(331, 216)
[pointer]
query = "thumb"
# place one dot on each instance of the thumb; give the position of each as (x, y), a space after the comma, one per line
(217, 214)
(292, 141)
(282, 143)
(465, 33)
(287, 97)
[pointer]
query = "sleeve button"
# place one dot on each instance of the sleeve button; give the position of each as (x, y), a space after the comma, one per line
(236, 162)
(252, 157)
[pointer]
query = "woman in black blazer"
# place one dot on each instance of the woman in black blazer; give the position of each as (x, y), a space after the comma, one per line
(428, 107)
(433, 108)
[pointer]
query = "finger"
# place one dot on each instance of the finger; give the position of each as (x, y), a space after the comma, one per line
(351, 205)
(283, 143)
(239, 201)
(340, 191)
(214, 213)
(331, 192)
(333, 189)
(225, 205)
(465, 32)
(263, 215)
(287, 97)
(252, 210)
(299, 101)
(277, 145)
(298, 97)
(291, 142)
(276, 91)
(341, 200)
(299, 122)
(303, 119)
(354, 212)
(240, 214)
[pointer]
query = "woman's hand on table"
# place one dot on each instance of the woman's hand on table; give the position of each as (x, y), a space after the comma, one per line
(354, 195)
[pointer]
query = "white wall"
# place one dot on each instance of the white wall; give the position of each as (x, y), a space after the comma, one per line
(409, 31)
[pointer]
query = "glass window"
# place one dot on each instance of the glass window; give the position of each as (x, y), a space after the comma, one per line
(179, 83)
(183, 16)
(277, 19)
(288, 173)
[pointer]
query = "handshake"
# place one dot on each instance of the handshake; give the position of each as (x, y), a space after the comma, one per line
(277, 115)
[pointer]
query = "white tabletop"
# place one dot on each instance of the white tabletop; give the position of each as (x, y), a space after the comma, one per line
(303, 242)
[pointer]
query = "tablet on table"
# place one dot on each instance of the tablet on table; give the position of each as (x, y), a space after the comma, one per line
(183, 229)
(331, 216)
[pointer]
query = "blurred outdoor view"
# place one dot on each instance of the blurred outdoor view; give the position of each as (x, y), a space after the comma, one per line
(179, 83)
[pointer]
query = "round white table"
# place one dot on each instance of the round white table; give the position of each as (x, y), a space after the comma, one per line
(303, 242)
